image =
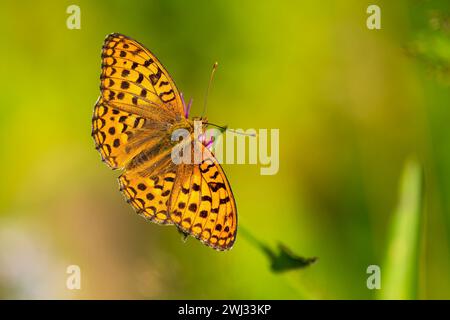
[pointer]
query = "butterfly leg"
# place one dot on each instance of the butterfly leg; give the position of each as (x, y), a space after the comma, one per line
(184, 104)
(189, 107)
(209, 143)
(205, 142)
(184, 235)
(186, 108)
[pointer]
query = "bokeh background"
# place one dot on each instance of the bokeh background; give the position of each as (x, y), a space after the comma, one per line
(354, 107)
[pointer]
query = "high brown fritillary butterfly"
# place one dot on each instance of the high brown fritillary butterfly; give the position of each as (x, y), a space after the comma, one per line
(134, 118)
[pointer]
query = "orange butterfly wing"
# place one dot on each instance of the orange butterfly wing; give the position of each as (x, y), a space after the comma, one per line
(205, 207)
(136, 92)
(133, 76)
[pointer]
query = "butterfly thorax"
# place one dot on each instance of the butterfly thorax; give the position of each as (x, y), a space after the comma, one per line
(204, 120)
(201, 121)
(182, 124)
(196, 123)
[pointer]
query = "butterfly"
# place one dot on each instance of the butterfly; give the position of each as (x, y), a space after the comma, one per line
(135, 116)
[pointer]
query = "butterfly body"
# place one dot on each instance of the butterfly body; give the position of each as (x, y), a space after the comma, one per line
(134, 122)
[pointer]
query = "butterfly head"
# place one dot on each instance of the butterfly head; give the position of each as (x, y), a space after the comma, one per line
(202, 120)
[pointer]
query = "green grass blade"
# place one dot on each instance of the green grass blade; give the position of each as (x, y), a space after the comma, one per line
(400, 270)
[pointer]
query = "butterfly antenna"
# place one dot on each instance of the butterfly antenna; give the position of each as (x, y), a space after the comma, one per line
(209, 87)
(225, 128)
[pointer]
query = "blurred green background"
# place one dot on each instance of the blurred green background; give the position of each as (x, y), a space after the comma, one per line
(352, 105)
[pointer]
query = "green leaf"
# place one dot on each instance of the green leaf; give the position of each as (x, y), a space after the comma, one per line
(281, 260)
(286, 260)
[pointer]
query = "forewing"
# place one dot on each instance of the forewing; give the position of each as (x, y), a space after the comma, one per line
(133, 77)
(138, 102)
